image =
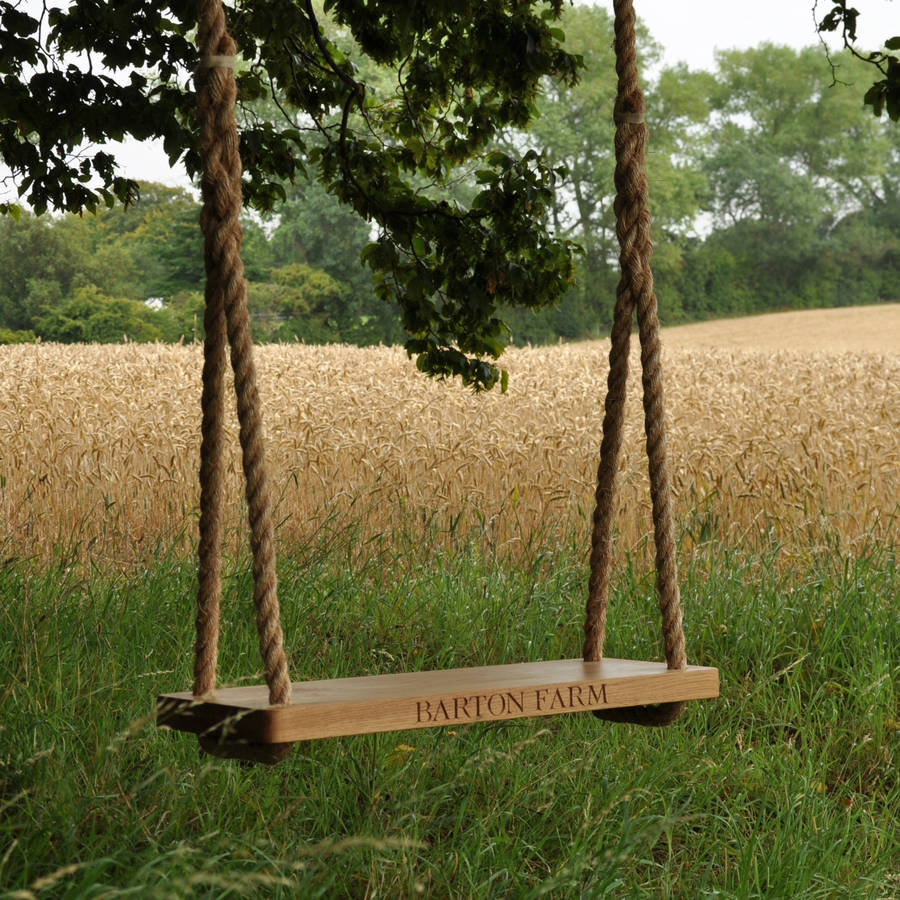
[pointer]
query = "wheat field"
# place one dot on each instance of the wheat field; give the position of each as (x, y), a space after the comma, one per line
(796, 448)
(862, 329)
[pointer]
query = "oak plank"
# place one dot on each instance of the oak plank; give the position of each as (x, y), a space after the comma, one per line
(408, 700)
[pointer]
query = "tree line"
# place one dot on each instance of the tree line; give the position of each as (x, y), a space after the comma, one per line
(136, 273)
(772, 187)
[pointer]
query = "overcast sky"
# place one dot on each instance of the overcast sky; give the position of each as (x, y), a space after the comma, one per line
(689, 32)
(692, 31)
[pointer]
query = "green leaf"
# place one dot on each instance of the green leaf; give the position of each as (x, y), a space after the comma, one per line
(419, 246)
(482, 200)
(875, 98)
(19, 23)
(893, 43)
(892, 104)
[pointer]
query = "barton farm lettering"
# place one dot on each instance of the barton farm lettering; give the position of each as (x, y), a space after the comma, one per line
(510, 704)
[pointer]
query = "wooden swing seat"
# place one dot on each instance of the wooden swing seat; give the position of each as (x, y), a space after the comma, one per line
(368, 704)
(240, 723)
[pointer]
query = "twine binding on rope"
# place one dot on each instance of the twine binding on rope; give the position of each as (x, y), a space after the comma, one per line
(635, 294)
(217, 61)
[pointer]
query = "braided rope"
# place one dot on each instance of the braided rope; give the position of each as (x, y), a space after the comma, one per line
(209, 548)
(226, 311)
(635, 293)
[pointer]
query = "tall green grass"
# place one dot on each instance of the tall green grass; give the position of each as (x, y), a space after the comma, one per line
(787, 786)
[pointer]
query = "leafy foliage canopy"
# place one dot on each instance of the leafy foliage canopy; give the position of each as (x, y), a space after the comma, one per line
(461, 71)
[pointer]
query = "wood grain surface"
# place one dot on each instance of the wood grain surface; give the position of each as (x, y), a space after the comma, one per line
(367, 704)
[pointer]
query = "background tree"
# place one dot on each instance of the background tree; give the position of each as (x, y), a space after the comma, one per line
(37, 265)
(789, 159)
(574, 128)
(93, 317)
(314, 228)
(299, 302)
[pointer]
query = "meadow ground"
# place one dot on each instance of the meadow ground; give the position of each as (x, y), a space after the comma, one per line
(422, 527)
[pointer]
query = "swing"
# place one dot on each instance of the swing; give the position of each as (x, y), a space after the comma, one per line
(261, 723)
